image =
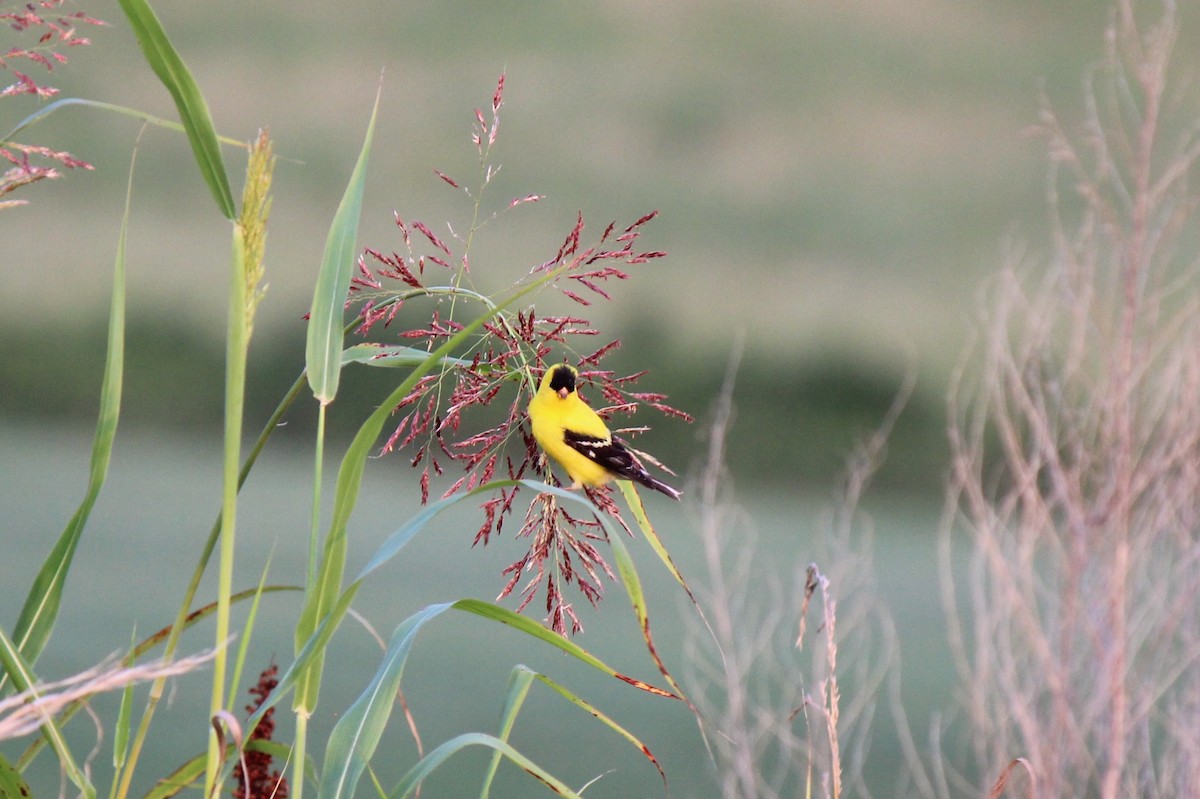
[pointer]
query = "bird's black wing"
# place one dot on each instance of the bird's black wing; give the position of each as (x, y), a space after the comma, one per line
(605, 451)
(616, 458)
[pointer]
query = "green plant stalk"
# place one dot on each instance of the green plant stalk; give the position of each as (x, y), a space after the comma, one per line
(184, 616)
(314, 534)
(314, 543)
(323, 361)
(237, 346)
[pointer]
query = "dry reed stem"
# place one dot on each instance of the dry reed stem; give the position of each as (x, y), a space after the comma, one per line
(1075, 470)
(783, 726)
(26, 712)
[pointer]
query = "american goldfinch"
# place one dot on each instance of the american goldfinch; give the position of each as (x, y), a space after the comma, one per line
(569, 431)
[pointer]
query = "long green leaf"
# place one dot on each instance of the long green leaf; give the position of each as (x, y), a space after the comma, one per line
(637, 597)
(431, 761)
(520, 680)
(634, 501)
(193, 110)
(393, 355)
(42, 604)
(357, 733)
(605, 719)
(526, 625)
(123, 724)
(12, 784)
(47, 110)
(21, 673)
(323, 351)
(392, 545)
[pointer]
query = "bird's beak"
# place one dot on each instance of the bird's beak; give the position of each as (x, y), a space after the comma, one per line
(563, 393)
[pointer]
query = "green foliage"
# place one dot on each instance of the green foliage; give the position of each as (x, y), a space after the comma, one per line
(192, 107)
(326, 601)
(44, 599)
(324, 349)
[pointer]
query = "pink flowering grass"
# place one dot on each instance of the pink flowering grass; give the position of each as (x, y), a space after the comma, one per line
(466, 425)
(43, 30)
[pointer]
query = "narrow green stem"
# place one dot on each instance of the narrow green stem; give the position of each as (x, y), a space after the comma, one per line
(314, 536)
(185, 607)
(298, 755)
(237, 346)
(314, 551)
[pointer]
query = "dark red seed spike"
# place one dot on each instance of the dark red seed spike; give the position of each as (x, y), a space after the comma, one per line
(403, 228)
(498, 97)
(642, 221)
(433, 239)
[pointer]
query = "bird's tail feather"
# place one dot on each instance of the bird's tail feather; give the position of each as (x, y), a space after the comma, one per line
(659, 485)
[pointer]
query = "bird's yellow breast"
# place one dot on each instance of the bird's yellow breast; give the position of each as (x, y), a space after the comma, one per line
(550, 417)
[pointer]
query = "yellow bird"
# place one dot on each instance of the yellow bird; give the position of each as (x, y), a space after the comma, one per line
(569, 431)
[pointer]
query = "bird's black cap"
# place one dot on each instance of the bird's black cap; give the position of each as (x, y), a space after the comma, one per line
(562, 376)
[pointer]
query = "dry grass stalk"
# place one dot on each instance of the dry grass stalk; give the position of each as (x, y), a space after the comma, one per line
(773, 701)
(25, 713)
(1076, 465)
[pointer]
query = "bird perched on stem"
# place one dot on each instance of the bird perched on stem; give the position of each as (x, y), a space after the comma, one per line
(570, 432)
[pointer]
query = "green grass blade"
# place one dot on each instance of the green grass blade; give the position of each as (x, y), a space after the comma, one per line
(42, 604)
(124, 721)
(356, 735)
(47, 110)
(530, 627)
(520, 680)
(593, 711)
(392, 355)
(634, 501)
(637, 597)
(12, 784)
(239, 662)
(193, 110)
(431, 761)
(323, 351)
(23, 679)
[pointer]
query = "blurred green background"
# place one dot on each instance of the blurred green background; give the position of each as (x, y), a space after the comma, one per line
(835, 181)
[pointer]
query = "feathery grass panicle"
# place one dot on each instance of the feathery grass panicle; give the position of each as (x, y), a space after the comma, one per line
(55, 30)
(252, 222)
(253, 777)
(470, 417)
(25, 712)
